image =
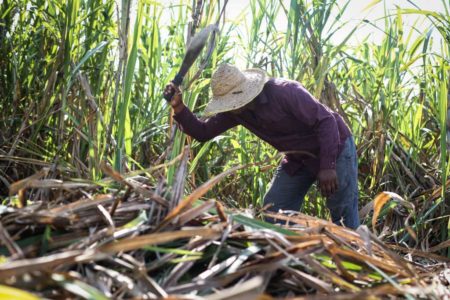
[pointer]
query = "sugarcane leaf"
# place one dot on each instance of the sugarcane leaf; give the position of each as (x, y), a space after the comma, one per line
(9, 293)
(79, 288)
(258, 224)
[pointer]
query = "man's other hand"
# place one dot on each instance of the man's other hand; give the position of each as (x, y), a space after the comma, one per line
(328, 182)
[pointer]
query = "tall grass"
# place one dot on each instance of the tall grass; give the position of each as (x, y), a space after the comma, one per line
(81, 82)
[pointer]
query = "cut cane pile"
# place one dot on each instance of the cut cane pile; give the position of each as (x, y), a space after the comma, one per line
(123, 238)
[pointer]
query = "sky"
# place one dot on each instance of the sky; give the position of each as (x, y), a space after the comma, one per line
(355, 12)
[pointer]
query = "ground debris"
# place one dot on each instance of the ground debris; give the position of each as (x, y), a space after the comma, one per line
(126, 240)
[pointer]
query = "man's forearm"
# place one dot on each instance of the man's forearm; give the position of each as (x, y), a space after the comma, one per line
(199, 129)
(177, 109)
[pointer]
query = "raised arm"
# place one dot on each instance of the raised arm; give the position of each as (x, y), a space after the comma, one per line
(200, 130)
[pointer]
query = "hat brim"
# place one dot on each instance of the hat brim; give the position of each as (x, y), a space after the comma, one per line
(239, 96)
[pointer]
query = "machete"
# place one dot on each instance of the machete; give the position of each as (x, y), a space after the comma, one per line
(196, 45)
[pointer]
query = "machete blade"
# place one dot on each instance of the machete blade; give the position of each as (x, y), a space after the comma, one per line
(196, 45)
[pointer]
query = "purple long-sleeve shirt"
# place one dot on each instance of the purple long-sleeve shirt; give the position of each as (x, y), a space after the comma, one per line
(287, 117)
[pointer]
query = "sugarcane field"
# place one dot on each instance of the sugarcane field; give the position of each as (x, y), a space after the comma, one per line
(224, 149)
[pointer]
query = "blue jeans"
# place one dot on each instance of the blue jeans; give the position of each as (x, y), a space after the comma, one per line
(288, 192)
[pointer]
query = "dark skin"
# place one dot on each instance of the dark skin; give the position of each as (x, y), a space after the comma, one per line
(328, 182)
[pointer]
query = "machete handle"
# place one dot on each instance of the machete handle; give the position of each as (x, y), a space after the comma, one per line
(177, 82)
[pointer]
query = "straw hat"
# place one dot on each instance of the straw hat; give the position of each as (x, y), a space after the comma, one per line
(233, 89)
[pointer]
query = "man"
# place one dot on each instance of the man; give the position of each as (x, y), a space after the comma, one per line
(285, 115)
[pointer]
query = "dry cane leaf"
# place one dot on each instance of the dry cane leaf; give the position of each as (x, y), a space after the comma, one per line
(419, 253)
(197, 193)
(380, 200)
(132, 184)
(313, 281)
(158, 238)
(195, 212)
(221, 212)
(442, 245)
(113, 174)
(248, 290)
(46, 263)
(21, 184)
(384, 265)
(378, 203)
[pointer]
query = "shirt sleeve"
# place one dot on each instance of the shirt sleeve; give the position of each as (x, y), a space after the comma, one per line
(319, 118)
(200, 130)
